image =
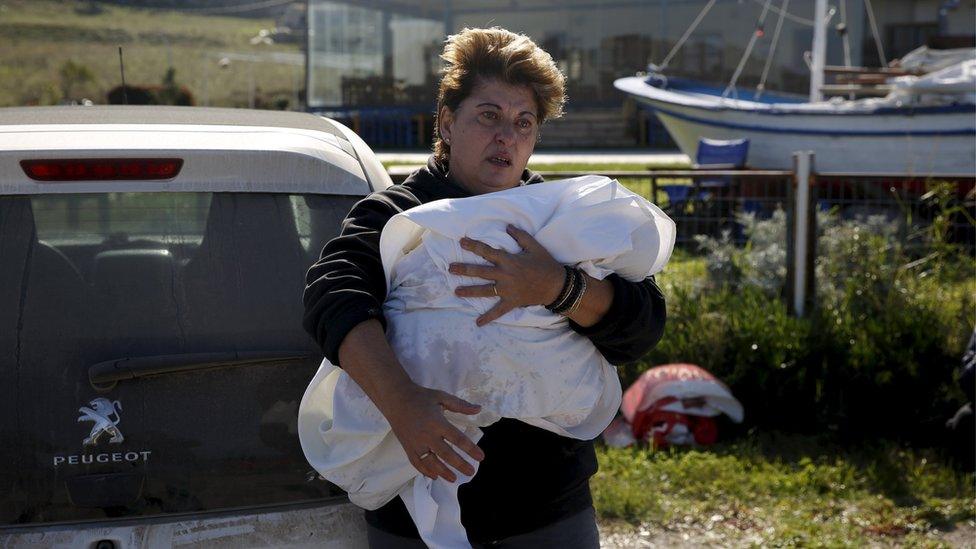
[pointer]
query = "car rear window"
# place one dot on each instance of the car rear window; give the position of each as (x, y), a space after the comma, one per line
(89, 279)
(164, 216)
(169, 272)
(96, 216)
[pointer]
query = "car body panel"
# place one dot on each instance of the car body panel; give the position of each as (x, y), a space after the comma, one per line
(339, 526)
(216, 158)
(155, 457)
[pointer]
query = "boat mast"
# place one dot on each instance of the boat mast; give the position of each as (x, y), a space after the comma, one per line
(819, 53)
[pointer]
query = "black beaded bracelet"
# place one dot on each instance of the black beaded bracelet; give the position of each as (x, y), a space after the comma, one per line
(561, 300)
(572, 300)
(579, 295)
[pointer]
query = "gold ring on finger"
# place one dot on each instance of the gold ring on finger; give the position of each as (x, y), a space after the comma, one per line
(424, 455)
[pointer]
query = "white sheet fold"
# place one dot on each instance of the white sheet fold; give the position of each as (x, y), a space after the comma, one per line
(528, 365)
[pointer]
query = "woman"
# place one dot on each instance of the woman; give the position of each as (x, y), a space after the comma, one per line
(532, 486)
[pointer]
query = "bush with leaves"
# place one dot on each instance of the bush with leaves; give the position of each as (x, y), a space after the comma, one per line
(888, 332)
(874, 356)
(169, 93)
(75, 80)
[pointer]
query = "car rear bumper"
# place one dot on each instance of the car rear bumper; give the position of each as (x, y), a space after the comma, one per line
(328, 526)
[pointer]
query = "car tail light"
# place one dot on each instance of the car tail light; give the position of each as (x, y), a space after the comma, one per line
(102, 169)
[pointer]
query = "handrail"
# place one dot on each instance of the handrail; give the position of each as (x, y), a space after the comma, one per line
(868, 70)
(894, 175)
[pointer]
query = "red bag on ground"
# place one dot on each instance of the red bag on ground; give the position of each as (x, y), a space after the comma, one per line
(673, 404)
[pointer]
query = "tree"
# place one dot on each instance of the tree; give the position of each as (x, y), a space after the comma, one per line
(168, 93)
(73, 75)
(171, 93)
(132, 95)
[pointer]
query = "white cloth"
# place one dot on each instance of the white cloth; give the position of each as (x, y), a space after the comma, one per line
(527, 365)
(953, 84)
(925, 60)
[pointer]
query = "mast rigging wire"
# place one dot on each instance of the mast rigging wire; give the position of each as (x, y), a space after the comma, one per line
(681, 41)
(772, 50)
(874, 31)
(790, 16)
(756, 34)
(845, 36)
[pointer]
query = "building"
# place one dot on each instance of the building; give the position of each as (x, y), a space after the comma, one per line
(376, 61)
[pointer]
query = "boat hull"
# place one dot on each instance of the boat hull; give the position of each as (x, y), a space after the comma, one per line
(939, 141)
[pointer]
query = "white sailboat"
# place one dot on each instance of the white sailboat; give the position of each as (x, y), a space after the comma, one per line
(925, 126)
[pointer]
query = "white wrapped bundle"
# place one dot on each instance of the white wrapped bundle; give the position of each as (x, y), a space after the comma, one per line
(528, 365)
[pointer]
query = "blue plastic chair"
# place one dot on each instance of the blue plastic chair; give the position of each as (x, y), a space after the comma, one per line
(677, 195)
(715, 154)
(713, 195)
(753, 207)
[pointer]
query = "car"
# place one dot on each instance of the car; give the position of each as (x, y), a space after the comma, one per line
(152, 263)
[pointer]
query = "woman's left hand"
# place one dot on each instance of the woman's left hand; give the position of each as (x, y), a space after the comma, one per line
(531, 277)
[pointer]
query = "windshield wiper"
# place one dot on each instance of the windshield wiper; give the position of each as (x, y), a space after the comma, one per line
(104, 375)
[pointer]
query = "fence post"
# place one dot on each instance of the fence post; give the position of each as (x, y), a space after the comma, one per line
(804, 234)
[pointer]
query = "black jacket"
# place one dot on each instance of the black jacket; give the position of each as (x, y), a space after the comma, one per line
(530, 477)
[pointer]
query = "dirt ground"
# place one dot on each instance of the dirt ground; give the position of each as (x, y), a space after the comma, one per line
(622, 535)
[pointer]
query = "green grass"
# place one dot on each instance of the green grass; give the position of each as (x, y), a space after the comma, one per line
(792, 490)
(41, 35)
(682, 270)
(770, 489)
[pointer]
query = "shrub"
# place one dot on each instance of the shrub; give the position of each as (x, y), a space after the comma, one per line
(73, 77)
(171, 93)
(875, 355)
(131, 95)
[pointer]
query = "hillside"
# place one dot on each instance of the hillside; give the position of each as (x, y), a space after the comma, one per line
(58, 51)
(240, 8)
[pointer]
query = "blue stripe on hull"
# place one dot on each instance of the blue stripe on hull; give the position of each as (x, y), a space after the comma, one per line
(805, 131)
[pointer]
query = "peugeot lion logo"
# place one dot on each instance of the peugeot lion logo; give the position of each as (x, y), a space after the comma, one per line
(104, 413)
(101, 412)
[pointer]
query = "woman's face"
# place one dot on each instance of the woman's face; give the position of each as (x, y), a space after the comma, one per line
(491, 134)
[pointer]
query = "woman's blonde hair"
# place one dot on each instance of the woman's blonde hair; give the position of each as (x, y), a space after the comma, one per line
(473, 55)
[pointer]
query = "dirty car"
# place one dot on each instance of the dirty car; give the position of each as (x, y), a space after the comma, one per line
(152, 262)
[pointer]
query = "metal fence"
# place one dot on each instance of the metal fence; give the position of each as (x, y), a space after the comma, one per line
(909, 204)
(709, 202)
(706, 202)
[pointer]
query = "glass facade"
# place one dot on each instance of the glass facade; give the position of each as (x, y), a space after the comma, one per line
(365, 57)
(385, 53)
(374, 64)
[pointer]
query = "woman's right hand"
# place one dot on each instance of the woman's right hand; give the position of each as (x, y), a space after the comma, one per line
(416, 415)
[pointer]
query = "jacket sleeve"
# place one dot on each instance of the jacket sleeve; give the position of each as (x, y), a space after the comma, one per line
(633, 324)
(347, 286)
